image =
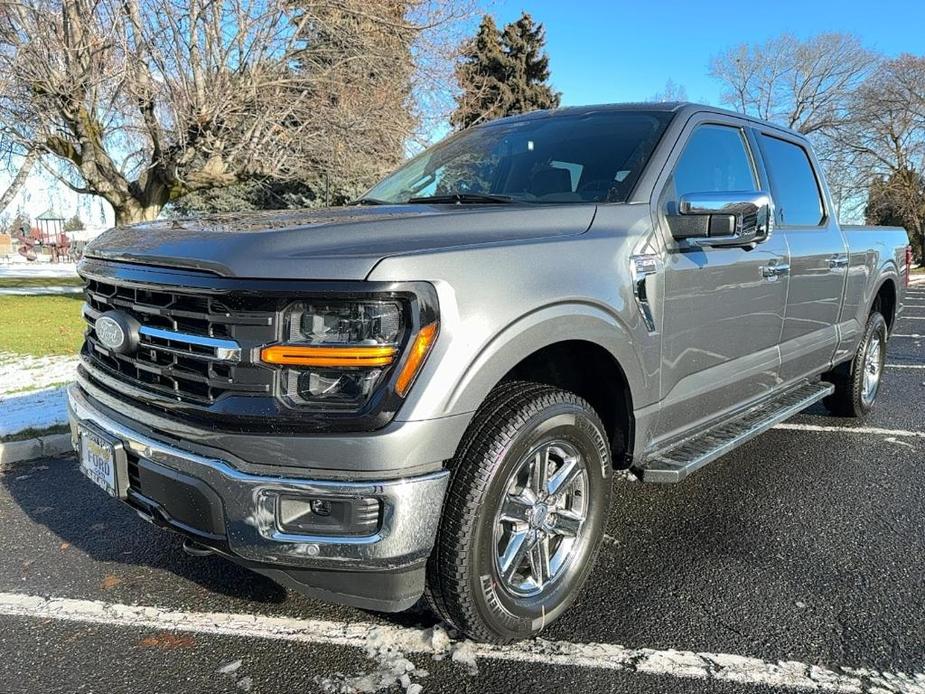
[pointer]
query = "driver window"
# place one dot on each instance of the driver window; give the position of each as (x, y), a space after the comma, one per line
(715, 160)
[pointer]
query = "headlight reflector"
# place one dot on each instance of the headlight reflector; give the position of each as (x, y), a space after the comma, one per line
(337, 353)
(345, 323)
(333, 386)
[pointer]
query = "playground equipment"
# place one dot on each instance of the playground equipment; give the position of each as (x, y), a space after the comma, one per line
(48, 237)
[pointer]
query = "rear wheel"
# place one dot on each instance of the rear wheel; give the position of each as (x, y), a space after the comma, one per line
(857, 383)
(524, 515)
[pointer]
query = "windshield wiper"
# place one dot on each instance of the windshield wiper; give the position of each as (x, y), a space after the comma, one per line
(369, 201)
(462, 198)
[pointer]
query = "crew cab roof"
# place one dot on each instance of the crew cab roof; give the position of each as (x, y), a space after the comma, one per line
(683, 108)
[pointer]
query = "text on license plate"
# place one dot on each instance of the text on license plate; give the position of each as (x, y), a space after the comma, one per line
(97, 461)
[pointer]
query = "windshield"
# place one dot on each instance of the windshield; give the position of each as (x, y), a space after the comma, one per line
(591, 157)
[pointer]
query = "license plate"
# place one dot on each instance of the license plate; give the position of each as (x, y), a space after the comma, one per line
(99, 461)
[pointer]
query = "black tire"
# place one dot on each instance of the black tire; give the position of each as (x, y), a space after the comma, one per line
(464, 582)
(851, 398)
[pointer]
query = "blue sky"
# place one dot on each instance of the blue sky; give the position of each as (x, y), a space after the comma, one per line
(616, 50)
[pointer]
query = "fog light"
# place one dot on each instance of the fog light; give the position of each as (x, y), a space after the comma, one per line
(304, 515)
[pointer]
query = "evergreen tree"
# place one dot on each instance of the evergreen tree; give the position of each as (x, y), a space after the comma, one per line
(483, 75)
(503, 72)
(75, 223)
(524, 42)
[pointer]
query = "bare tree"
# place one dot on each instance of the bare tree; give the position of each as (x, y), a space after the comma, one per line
(671, 92)
(808, 86)
(804, 85)
(886, 139)
(141, 103)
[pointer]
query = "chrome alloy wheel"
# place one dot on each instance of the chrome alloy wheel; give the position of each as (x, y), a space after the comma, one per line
(538, 526)
(873, 368)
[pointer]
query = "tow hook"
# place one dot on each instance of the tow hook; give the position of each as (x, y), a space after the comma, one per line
(194, 549)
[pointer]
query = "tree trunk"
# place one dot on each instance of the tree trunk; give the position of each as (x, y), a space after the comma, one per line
(19, 180)
(133, 211)
(922, 251)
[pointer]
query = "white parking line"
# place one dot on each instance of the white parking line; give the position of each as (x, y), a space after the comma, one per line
(914, 336)
(905, 366)
(875, 431)
(671, 663)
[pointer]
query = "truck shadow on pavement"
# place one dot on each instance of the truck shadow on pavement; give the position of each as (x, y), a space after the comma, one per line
(82, 517)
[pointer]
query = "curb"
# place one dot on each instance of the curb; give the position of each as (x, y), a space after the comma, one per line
(13, 452)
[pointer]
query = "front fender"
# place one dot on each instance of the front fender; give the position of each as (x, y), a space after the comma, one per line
(539, 329)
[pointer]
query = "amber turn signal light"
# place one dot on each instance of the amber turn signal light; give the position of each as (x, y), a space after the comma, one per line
(298, 355)
(416, 356)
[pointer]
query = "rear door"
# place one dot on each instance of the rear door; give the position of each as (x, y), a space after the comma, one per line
(723, 313)
(818, 256)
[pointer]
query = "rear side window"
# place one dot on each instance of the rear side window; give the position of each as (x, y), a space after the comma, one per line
(715, 160)
(796, 190)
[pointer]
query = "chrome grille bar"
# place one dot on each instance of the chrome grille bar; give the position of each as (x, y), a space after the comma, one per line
(223, 350)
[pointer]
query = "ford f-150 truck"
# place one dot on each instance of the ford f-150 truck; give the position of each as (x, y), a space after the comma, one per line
(431, 391)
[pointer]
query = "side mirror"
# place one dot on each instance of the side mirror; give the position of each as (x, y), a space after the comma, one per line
(722, 219)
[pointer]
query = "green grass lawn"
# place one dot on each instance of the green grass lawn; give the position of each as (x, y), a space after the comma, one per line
(41, 325)
(41, 282)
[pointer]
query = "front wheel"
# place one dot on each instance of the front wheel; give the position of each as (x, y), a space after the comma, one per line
(524, 514)
(858, 382)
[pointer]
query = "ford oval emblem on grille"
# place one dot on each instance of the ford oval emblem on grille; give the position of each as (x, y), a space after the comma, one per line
(117, 331)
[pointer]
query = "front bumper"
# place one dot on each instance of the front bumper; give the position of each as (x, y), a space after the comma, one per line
(235, 513)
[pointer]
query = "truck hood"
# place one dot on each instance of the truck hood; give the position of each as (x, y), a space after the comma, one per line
(342, 243)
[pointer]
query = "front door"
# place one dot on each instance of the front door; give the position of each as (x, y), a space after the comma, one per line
(723, 310)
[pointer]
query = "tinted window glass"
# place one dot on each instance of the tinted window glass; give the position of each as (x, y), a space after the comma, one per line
(714, 161)
(592, 157)
(796, 192)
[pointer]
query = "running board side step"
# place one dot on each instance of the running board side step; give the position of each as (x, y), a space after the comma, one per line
(677, 462)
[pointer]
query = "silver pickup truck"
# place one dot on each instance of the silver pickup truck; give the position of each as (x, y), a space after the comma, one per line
(432, 391)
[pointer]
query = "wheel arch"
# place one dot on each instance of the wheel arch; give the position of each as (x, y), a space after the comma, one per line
(885, 300)
(576, 347)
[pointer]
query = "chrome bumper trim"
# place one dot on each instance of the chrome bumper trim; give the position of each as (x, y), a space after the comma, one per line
(411, 506)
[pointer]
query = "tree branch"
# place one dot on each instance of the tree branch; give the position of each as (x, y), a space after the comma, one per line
(19, 180)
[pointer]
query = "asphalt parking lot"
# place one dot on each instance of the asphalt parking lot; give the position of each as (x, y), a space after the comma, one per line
(795, 563)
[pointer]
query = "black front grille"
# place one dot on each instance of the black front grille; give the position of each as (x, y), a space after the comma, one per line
(192, 347)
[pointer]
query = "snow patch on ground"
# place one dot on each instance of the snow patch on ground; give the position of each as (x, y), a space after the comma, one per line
(38, 270)
(36, 410)
(20, 373)
(31, 392)
(387, 647)
(393, 669)
(230, 668)
(38, 291)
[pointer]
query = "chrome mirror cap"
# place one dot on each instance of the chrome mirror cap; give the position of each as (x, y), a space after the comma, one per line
(722, 219)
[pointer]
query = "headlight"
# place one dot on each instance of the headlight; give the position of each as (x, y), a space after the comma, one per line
(346, 323)
(338, 353)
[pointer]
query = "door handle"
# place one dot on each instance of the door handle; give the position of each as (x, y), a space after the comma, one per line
(776, 270)
(837, 262)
